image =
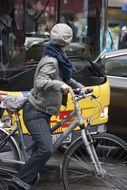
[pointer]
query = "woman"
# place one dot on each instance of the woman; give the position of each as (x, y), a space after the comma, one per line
(34, 7)
(53, 78)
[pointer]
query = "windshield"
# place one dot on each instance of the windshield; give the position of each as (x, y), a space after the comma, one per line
(26, 27)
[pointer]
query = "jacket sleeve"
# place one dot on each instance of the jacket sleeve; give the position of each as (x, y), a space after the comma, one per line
(46, 76)
(74, 84)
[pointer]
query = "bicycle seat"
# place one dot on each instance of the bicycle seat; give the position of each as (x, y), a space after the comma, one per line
(12, 103)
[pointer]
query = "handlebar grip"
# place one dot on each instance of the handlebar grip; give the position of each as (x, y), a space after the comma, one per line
(88, 90)
(77, 91)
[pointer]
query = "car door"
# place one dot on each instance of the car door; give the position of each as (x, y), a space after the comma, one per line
(116, 71)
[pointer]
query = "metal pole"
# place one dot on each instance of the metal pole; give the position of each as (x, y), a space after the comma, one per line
(58, 11)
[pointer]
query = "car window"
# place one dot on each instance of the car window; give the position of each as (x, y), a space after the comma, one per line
(116, 66)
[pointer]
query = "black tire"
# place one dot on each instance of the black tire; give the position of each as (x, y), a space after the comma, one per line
(78, 171)
(8, 152)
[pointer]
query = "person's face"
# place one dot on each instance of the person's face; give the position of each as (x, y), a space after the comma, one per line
(38, 6)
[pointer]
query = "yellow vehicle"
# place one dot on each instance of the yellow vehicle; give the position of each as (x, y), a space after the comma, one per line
(20, 51)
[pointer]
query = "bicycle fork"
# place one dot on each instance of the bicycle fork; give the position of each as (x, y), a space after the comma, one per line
(92, 153)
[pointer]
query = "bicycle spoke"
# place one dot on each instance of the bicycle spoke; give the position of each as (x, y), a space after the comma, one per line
(79, 171)
(77, 176)
(79, 163)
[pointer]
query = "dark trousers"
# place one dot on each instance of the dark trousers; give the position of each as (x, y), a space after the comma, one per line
(38, 124)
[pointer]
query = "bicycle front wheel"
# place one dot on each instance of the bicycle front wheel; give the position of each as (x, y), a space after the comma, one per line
(78, 171)
(8, 155)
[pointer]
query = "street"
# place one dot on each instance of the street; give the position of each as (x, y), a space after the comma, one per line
(50, 178)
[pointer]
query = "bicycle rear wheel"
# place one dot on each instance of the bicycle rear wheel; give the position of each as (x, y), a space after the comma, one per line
(79, 173)
(8, 155)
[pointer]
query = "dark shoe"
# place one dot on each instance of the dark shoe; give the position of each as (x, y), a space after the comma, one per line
(20, 184)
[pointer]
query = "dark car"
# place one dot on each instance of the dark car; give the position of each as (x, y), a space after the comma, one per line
(116, 70)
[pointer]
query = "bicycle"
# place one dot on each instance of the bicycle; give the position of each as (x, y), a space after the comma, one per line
(97, 159)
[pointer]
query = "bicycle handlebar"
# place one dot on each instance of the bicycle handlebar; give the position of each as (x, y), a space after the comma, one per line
(13, 102)
(77, 93)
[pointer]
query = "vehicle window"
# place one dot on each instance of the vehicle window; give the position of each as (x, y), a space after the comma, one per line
(38, 19)
(116, 66)
(30, 25)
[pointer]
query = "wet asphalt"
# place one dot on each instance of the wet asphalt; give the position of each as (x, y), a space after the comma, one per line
(50, 176)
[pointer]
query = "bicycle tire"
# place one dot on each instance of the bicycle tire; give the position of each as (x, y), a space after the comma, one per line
(78, 171)
(8, 153)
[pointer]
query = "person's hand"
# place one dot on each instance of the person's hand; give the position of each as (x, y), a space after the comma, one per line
(83, 90)
(65, 88)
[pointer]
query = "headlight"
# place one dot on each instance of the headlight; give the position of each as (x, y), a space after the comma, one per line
(104, 112)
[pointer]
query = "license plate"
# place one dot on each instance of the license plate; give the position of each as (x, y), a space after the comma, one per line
(67, 140)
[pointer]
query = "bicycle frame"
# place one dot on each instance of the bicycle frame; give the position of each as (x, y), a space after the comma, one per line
(59, 141)
(76, 120)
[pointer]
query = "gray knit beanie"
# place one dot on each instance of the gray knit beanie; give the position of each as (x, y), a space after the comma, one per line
(61, 34)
